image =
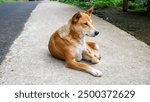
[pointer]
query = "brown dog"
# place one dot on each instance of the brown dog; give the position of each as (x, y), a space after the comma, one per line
(68, 43)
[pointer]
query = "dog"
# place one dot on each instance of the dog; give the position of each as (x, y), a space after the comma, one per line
(68, 43)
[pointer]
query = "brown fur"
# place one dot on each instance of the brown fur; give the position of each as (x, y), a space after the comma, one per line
(65, 41)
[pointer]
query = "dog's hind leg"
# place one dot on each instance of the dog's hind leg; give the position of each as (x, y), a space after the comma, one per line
(92, 45)
(83, 67)
(72, 63)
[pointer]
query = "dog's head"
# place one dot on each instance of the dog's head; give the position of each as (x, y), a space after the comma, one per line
(82, 23)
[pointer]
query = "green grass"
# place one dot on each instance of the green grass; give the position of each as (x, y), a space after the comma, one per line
(93, 3)
(114, 3)
(136, 6)
(7, 0)
(107, 2)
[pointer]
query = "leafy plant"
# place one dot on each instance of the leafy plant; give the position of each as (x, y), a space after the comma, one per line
(133, 5)
(7, 0)
(114, 3)
(107, 2)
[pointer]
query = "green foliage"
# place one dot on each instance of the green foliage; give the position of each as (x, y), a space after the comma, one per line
(133, 5)
(107, 2)
(85, 4)
(93, 3)
(7, 0)
(114, 3)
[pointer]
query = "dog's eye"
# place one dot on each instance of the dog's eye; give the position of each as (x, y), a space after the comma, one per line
(85, 23)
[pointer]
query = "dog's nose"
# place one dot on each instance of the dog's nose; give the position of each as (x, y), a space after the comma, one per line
(96, 32)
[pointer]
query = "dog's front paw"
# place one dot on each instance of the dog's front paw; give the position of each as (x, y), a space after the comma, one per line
(95, 72)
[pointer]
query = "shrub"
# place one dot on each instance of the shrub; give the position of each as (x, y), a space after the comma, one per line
(133, 5)
(106, 3)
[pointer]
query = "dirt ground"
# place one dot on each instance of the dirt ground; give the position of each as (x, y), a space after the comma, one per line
(137, 23)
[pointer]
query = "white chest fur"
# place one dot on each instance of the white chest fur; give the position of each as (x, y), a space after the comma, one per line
(79, 48)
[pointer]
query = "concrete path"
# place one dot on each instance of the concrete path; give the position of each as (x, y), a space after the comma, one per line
(125, 60)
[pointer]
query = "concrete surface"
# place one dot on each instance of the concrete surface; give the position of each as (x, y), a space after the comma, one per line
(13, 16)
(125, 60)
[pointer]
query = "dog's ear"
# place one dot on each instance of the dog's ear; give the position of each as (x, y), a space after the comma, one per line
(76, 17)
(89, 11)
